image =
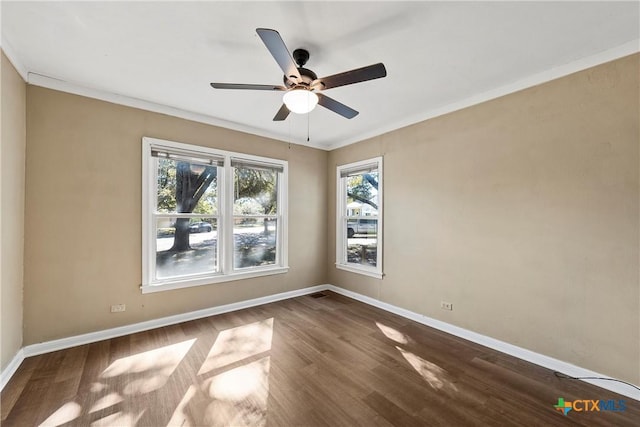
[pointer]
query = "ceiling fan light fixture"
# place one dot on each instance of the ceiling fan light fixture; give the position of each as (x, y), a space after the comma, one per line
(300, 101)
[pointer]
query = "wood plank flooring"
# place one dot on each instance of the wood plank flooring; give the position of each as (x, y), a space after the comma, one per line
(328, 361)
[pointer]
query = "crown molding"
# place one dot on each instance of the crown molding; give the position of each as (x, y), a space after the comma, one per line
(48, 82)
(13, 58)
(581, 64)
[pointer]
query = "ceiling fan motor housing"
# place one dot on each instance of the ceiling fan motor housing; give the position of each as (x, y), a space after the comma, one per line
(301, 56)
(307, 76)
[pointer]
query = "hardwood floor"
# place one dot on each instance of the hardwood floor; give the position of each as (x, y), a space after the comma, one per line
(305, 361)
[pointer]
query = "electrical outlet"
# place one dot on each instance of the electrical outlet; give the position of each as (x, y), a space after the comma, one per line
(446, 305)
(118, 308)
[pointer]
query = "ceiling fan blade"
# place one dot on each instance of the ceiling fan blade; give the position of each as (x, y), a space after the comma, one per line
(279, 51)
(358, 75)
(336, 107)
(243, 86)
(282, 114)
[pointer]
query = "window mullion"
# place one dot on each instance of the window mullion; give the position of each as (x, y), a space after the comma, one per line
(341, 242)
(227, 208)
(282, 257)
(153, 204)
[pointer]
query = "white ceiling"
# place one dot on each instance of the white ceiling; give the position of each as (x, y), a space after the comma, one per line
(439, 56)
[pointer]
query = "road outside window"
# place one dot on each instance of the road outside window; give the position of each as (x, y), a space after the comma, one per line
(360, 217)
(210, 215)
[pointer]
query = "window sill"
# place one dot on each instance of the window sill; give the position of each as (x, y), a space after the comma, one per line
(209, 280)
(360, 270)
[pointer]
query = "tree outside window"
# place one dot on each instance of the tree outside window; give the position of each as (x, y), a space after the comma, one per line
(210, 214)
(360, 217)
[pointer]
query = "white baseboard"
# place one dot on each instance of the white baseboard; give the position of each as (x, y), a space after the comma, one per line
(510, 349)
(11, 368)
(61, 344)
(501, 346)
(49, 346)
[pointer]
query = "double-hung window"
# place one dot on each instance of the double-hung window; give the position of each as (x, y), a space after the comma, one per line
(255, 207)
(210, 215)
(359, 217)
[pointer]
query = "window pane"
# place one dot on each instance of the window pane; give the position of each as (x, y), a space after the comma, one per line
(362, 194)
(254, 242)
(255, 191)
(185, 187)
(362, 241)
(186, 246)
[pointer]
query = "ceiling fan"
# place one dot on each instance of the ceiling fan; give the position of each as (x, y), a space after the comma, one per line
(302, 86)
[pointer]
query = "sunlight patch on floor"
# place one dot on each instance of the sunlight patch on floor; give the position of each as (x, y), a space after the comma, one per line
(66, 413)
(105, 402)
(151, 369)
(121, 419)
(241, 382)
(239, 395)
(235, 391)
(392, 334)
(97, 387)
(180, 416)
(433, 374)
(233, 345)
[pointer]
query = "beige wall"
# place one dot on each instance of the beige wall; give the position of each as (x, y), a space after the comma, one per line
(12, 160)
(83, 215)
(522, 212)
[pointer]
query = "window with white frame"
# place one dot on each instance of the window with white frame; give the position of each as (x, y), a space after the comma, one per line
(210, 215)
(359, 217)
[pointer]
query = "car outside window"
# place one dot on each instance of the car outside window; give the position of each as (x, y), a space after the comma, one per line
(359, 217)
(210, 215)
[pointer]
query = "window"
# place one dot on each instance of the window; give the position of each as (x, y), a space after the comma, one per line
(210, 215)
(359, 217)
(255, 206)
